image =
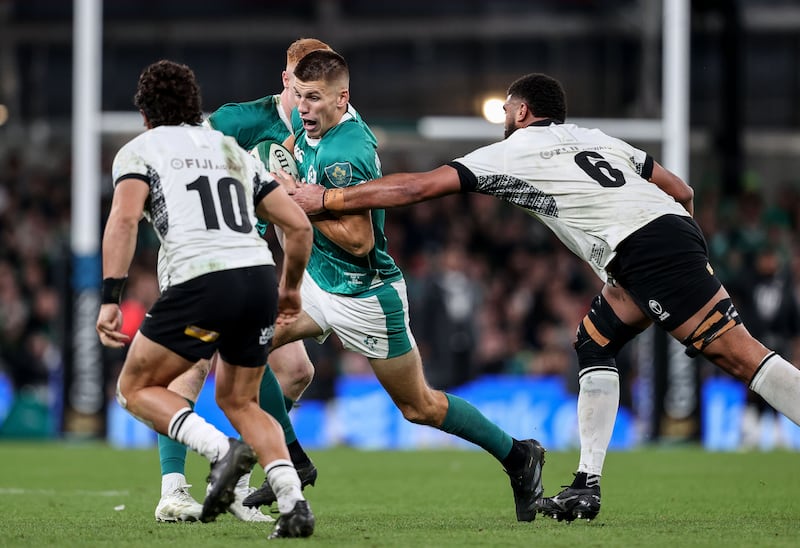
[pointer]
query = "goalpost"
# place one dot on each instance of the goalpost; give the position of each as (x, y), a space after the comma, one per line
(84, 383)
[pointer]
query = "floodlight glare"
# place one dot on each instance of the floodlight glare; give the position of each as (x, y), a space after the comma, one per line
(493, 110)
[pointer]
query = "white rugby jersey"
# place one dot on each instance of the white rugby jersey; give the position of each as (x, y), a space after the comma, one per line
(203, 188)
(590, 189)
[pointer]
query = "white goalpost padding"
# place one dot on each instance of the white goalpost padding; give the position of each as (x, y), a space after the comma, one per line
(84, 391)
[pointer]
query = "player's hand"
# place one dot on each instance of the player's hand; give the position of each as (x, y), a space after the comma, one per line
(309, 198)
(109, 322)
(289, 306)
(286, 180)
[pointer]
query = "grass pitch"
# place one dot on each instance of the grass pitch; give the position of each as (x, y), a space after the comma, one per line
(60, 494)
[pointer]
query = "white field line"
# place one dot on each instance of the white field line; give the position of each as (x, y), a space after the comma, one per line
(50, 492)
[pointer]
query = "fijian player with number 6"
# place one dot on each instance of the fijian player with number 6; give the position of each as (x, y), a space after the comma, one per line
(631, 220)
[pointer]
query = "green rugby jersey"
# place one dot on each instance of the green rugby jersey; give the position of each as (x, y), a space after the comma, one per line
(252, 122)
(344, 156)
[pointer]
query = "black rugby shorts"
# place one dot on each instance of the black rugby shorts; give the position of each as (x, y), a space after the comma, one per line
(232, 311)
(664, 266)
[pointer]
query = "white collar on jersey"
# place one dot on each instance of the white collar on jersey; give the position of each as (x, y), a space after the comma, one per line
(348, 115)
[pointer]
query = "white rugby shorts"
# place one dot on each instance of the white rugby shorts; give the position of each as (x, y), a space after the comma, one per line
(374, 324)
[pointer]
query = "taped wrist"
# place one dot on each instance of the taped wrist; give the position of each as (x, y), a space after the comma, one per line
(112, 290)
(333, 199)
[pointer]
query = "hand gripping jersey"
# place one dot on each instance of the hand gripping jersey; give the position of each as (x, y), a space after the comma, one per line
(590, 189)
(345, 155)
(203, 191)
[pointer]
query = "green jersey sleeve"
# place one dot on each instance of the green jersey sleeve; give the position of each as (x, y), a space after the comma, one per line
(252, 122)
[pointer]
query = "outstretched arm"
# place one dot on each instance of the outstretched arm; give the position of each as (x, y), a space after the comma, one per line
(394, 190)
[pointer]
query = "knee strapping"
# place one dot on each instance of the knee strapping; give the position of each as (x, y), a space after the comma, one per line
(720, 319)
(601, 335)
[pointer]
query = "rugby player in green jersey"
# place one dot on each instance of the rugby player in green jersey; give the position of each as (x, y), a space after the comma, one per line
(352, 286)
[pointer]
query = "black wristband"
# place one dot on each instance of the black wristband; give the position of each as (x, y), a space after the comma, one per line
(112, 290)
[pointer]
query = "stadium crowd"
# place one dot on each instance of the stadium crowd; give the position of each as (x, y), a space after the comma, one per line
(489, 291)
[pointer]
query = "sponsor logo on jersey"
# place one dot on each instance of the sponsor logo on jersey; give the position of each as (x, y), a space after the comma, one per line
(549, 153)
(658, 310)
(339, 174)
(195, 163)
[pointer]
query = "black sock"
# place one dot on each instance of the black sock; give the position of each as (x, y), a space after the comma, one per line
(298, 456)
(584, 480)
(516, 457)
(580, 480)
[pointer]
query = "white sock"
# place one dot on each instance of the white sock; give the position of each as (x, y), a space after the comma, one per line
(172, 481)
(244, 481)
(193, 431)
(285, 483)
(598, 400)
(778, 382)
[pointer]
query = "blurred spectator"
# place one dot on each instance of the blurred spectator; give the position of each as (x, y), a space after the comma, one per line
(445, 318)
(768, 305)
(32, 237)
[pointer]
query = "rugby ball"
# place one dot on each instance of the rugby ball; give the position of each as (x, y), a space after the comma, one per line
(275, 156)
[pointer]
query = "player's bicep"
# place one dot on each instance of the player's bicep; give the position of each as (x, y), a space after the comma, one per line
(352, 232)
(672, 184)
(130, 195)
